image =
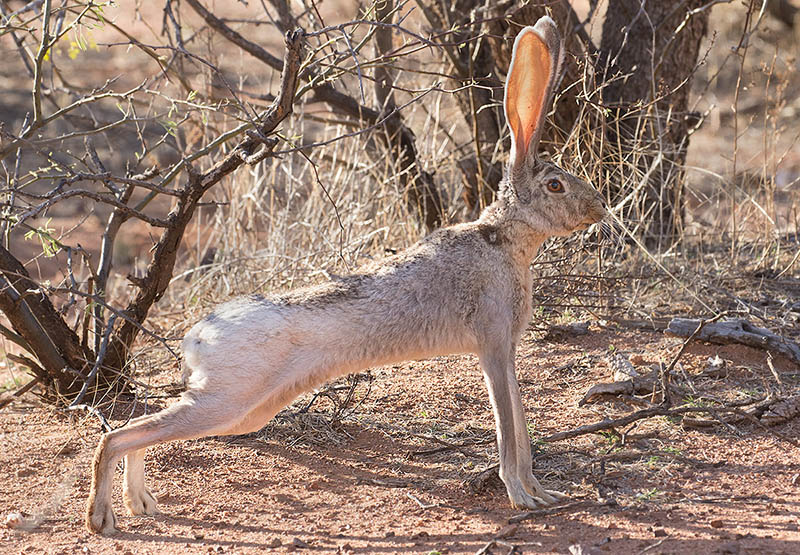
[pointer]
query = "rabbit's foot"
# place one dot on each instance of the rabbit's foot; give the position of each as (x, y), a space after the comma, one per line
(554, 496)
(535, 489)
(523, 499)
(140, 501)
(100, 518)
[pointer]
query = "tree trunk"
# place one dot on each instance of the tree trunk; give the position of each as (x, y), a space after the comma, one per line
(58, 349)
(649, 51)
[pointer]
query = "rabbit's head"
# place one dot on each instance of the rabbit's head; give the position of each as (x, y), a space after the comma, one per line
(550, 200)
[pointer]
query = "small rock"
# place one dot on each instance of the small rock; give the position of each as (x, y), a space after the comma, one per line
(199, 536)
(563, 332)
(717, 523)
(315, 485)
(715, 366)
(297, 542)
(621, 367)
(660, 533)
(578, 549)
(506, 531)
(275, 543)
(419, 535)
(389, 534)
(796, 480)
(14, 520)
(346, 548)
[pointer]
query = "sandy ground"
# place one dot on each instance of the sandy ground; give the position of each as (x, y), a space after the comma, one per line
(387, 479)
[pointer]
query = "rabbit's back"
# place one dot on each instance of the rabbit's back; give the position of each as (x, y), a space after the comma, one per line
(421, 303)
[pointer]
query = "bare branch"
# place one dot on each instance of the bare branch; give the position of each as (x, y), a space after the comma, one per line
(423, 197)
(159, 272)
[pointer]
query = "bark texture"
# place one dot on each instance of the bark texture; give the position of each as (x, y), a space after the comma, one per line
(61, 357)
(649, 51)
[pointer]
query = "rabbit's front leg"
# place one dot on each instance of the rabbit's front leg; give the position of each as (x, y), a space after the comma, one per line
(523, 445)
(513, 444)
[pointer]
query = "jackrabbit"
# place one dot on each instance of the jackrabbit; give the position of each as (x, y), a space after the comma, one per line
(462, 289)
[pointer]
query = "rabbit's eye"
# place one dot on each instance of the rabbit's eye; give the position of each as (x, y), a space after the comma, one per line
(555, 186)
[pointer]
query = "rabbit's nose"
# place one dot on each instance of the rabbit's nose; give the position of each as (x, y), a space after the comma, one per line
(601, 199)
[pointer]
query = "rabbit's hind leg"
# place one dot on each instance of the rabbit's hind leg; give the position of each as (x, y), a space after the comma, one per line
(138, 499)
(197, 414)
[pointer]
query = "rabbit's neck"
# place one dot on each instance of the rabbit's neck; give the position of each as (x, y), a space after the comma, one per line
(520, 240)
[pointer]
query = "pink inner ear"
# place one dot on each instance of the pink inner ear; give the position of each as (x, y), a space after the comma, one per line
(526, 88)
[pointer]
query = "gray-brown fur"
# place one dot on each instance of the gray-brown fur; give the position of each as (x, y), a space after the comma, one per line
(465, 288)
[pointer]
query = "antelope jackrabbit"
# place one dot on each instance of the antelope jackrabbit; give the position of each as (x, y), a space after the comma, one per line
(462, 289)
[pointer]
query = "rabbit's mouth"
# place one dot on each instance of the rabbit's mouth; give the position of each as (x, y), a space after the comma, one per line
(587, 223)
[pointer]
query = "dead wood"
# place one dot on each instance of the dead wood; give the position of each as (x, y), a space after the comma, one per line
(635, 385)
(665, 372)
(487, 549)
(7, 398)
(655, 324)
(781, 410)
(484, 480)
(564, 332)
(547, 511)
(736, 330)
(611, 424)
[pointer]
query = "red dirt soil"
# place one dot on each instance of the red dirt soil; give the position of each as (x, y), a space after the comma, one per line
(367, 485)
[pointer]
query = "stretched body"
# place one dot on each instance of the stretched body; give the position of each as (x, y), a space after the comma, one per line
(466, 288)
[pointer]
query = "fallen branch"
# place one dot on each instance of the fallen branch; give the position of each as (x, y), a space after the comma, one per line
(547, 511)
(781, 410)
(19, 392)
(649, 413)
(628, 382)
(736, 330)
(664, 373)
(486, 549)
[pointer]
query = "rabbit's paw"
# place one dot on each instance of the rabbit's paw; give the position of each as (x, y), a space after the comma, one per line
(523, 499)
(543, 496)
(100, 519)
(140, 502)
(559, 496)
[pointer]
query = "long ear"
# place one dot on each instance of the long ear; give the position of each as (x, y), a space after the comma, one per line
(535, 68)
